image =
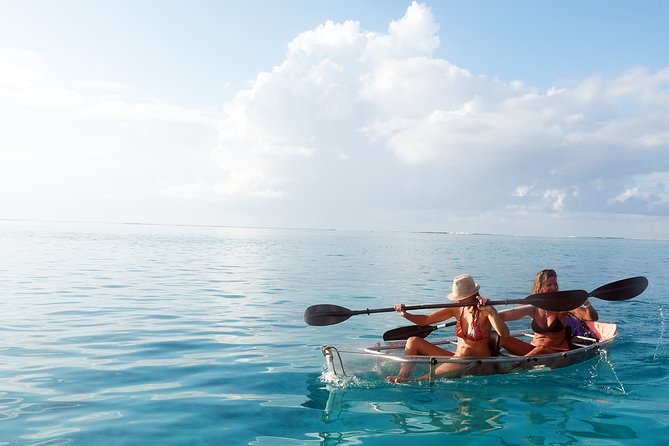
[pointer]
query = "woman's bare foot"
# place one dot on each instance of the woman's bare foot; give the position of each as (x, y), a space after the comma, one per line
(397, 379)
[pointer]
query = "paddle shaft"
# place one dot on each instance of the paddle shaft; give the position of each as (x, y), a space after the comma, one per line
(432, 306)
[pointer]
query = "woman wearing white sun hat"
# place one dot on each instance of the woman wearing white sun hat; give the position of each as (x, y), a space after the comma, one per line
(473, 328)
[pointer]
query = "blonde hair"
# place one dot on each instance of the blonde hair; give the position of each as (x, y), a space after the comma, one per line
(541, 278)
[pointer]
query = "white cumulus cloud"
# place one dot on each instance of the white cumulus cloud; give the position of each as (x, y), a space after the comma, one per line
(432, 134)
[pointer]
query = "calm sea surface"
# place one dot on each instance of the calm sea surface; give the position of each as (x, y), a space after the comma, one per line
(137, 335)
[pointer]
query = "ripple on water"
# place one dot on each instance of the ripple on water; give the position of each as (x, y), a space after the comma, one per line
(192, 336)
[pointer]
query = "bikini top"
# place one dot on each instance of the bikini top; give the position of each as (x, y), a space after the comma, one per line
(555, 327)
(474, 333)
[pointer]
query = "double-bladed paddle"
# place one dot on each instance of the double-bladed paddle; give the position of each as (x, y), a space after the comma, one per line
(328, 314)
(620, 290)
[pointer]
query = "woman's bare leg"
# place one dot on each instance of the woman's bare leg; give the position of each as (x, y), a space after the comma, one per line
(515, 346)
(416, 346)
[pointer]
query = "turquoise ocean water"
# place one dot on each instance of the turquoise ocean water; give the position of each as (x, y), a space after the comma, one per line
(137, 335)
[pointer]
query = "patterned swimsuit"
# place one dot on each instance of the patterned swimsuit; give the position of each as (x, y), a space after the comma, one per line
(474, 333)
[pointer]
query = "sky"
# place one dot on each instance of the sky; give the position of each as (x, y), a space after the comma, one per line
(524, 118)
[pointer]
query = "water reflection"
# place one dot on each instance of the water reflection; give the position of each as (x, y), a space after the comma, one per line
(466, 415)
(510, 410)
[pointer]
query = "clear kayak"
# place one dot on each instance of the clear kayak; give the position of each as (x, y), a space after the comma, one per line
(385, 358)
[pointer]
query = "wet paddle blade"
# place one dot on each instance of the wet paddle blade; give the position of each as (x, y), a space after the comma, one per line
(622, 289)
(326, 314)
(558, 301)
(402, 333)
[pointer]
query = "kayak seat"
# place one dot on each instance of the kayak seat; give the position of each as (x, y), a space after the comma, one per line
(493, 343)
(578, 340)
(577, 327)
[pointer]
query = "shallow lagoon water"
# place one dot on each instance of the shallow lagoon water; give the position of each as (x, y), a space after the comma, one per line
(139, 334)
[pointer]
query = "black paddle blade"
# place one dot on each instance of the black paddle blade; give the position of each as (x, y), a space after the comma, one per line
(326, 314)
(622, 289)
(558, 301)
(399, 334)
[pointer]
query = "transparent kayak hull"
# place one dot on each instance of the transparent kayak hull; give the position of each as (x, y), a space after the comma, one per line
(385, 358)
